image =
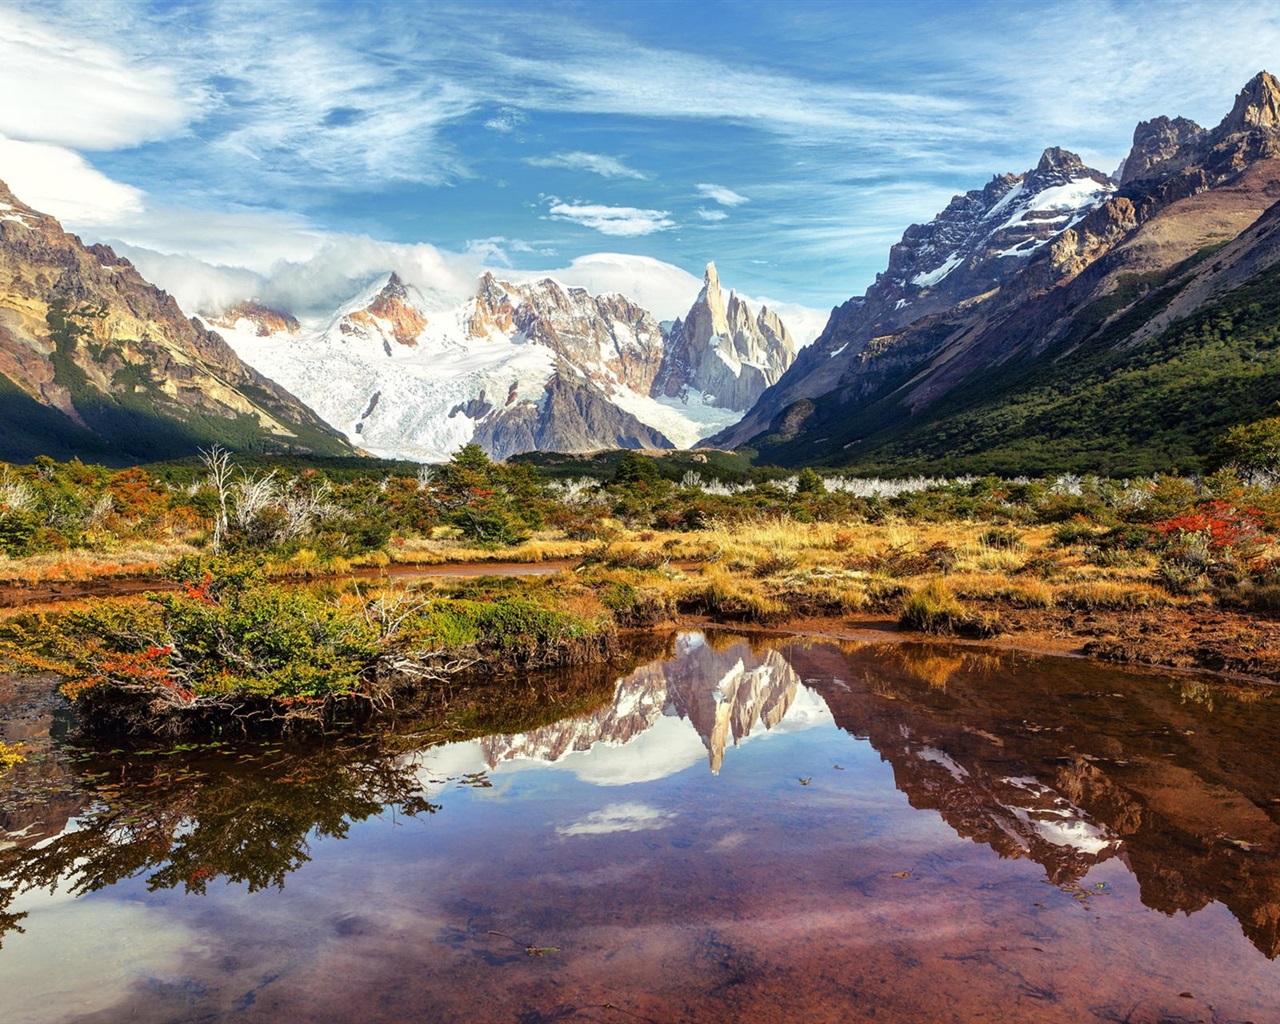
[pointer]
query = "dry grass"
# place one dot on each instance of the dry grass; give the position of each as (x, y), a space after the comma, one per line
(440, 550)
(139, 559)
(1113, 595)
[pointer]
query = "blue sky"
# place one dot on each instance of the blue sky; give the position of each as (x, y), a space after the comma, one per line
(791, 144)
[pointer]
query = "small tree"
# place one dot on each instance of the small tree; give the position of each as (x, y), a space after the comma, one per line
(217, 461)
(1253, 449)
(809, 482)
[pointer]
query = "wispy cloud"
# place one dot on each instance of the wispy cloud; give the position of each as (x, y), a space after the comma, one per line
(720, 194)
(622, 221)
(505, 121)
(59, 182)
(593, 163)
(61, 87)
(356, 120)
(496, 250)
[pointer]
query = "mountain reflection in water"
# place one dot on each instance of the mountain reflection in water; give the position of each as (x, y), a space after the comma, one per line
(1052, 762)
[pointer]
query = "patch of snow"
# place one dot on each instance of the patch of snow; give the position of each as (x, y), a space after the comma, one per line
(846, 344)
(684, 420)
(1023, 248)
(1005, 201)
(1064, 829)
(1077, 196)
(932, 277)
(946, 760)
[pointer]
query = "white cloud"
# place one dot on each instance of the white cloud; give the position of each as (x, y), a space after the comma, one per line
(623, 817)
(61, 183)
(505, 121)
(712, 215)
(197, 286)
(256, 240)
(62, 88)
(720, 194)
(333, 271)
(496, 250)
(623, 221)
(594, 163)
(664, 289)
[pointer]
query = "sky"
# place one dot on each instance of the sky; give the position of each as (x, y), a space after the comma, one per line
(293, 151)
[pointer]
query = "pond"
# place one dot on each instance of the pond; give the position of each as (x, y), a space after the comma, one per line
(740, 830)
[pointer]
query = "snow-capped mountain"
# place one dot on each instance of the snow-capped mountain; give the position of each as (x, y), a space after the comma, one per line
(984, 309)
(719, 350)
(969, 251)
(726, 695)
(519, 367)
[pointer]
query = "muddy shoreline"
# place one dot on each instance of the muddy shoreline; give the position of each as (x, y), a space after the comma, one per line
(1230, 646)
(16, 594)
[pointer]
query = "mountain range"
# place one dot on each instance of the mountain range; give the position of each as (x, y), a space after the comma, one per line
(517, 367)
(98, 363)
(1058, 319)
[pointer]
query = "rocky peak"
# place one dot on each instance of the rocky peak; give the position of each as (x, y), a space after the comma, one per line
(723, 350)
(1062, 161)
(492, 311)
(13, 209)
(265, 320)
(1157, 141)
(1257, 106)
(391, 314)
(708, 309)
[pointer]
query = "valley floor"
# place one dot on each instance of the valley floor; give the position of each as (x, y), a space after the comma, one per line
(967, 582)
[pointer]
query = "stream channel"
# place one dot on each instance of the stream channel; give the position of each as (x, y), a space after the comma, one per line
(737, 830)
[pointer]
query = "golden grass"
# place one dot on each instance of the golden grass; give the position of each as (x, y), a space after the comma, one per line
(1113, 595)
(139, 559)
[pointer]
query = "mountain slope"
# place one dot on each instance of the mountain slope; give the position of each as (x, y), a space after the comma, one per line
(519, 367)
(1072, 358)
(97, 362)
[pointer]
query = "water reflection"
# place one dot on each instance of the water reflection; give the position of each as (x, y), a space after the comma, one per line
(183, 821)
(1069, 766)
(1093, 776)
(720, 686)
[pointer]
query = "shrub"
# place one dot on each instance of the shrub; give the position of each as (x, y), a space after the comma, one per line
(1001, 538)
(932, 608)
(10, 755)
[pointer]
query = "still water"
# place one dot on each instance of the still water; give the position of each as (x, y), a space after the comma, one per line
(737, 831)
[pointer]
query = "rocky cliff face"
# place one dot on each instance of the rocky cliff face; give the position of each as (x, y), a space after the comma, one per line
(723, 353)
(609, 337)
(96, 361)
(519, 367)
(1002, 274)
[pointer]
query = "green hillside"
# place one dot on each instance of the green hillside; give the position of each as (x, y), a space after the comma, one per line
(1103, 408)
